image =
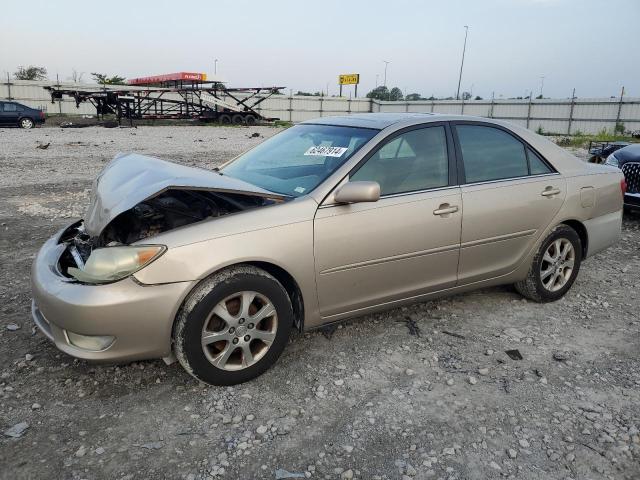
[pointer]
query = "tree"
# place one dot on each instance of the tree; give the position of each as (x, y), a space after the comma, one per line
(383, 93)
(76, 77)
(478, 97)
(539, 97)
(30, 73)
(412, 97)
(102, 79)
(466, 96)
(379, 93)
(395, 94)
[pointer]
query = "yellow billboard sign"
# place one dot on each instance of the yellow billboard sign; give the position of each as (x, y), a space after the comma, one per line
(349, 79)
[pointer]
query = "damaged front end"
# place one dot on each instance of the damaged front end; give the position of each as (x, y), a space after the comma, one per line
(136, 198)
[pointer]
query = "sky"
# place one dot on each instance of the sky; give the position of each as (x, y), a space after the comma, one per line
(588, 45)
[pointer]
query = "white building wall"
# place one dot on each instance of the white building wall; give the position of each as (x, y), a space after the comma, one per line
(587, 115)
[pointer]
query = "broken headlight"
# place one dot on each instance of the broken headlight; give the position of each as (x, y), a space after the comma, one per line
(110, 264)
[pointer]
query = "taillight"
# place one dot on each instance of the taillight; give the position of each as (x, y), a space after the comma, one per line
(623, 186)
(41, 114)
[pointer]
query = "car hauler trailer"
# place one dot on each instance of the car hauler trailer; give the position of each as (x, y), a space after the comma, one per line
(183, 95)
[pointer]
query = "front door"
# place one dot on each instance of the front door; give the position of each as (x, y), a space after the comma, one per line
(405, 244)
(9, 113)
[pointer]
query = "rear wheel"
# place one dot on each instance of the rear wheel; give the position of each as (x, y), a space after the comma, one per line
(238, 119)
(250, 120)
(233, 326)
(224, 119)
(554, 267)
(26, 123)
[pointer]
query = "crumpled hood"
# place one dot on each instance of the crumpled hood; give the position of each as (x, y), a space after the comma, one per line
(131, 178)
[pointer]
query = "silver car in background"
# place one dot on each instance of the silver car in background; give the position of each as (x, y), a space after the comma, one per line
(331, 219)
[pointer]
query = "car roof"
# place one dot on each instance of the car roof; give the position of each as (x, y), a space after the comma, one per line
(376, 121)
(629, 153)
(380, 121)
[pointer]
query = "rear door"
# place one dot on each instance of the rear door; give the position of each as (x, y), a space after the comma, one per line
(509, 196)
(403, 245)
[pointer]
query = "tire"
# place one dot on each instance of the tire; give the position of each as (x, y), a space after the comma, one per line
(238, 119)
(224, 119)
(226, 361)
(26, 123)
(250, 120)
(542, 286)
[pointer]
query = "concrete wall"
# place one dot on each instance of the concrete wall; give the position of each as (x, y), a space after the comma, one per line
(587, 115)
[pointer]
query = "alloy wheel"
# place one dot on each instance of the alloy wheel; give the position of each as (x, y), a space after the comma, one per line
(239, 331)
(557, 264)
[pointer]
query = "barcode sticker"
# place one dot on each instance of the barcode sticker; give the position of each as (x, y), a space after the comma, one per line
(326, 151)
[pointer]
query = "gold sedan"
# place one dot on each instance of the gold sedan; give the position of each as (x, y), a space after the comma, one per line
(330, 219)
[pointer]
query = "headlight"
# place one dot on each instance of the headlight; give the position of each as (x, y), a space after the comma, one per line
(612, 161)
(110, 264)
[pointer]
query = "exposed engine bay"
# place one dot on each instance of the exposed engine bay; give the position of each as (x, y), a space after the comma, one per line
(166, 211)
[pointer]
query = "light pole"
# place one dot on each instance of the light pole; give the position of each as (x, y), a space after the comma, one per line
(386, 64)
(541, 84)
(464, 49)
(377, 75)
(215, 66)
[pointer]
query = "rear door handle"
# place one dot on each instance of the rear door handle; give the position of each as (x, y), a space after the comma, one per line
(445, 209)
(549, 191)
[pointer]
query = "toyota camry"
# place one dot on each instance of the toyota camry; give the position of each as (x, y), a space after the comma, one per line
(330, 219)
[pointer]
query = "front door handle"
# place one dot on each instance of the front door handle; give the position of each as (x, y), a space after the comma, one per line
(549, 191)
(445, 209)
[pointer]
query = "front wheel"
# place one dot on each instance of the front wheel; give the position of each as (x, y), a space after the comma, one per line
(554, 267)
(26, 123)
(233, 326)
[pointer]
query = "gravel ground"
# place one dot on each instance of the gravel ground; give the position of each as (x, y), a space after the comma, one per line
(420, 392)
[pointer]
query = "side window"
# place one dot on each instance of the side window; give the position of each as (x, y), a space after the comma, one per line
(10, 107)
(415, 160)
(536, 164)
(490, 154)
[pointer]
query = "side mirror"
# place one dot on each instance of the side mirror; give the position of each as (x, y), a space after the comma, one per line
(355, 192)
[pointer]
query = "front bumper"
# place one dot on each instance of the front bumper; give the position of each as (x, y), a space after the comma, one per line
(139, 317)
(632, 200)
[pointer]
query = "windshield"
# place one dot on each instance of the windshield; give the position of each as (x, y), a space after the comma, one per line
(299, 159)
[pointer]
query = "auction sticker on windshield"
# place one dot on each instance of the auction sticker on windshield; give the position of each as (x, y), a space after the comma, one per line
(326, 151)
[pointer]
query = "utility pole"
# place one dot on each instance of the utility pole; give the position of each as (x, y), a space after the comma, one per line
(541, 84)
(386, 64)
(464, 49)
(215, 66)
(377, 75)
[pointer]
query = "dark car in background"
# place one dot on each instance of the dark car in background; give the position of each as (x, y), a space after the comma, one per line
(627, 159)
(14, 113)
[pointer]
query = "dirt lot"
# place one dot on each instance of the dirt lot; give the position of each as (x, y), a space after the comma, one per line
(370, 400)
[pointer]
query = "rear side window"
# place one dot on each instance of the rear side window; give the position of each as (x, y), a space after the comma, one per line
(415, 160)
(490, 154)
(10, 107)
(537, 166)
